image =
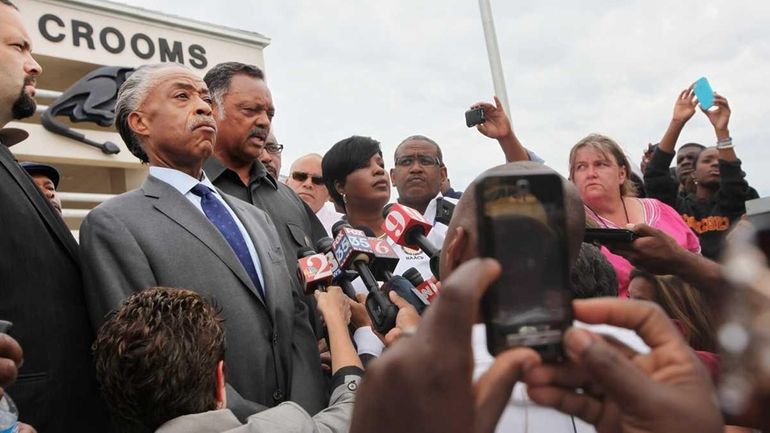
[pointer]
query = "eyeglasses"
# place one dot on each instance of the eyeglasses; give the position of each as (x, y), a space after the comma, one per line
(274, 148)
(301, 176)
(424, 160)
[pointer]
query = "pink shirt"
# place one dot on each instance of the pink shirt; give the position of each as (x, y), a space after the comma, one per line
(658, 215)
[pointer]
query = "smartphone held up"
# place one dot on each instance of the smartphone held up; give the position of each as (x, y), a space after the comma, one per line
(522, 224)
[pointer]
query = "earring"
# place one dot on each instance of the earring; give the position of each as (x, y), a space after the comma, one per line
(345, 198)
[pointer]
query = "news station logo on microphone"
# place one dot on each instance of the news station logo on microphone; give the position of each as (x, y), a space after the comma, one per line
(401, 221)
(315, 272)
(348, 241)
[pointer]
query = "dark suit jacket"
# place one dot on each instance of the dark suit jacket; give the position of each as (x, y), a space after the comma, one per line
(41, 292)
(154, 236)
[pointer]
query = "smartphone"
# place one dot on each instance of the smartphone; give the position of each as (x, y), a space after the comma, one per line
(522, 223)
(704, 93)
(474, 116)
(603, 236)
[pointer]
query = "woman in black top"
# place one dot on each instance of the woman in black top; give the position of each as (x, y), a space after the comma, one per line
(719, 190)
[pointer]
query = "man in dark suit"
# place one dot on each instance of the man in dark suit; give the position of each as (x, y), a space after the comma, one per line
(179, 230)
(41, 289)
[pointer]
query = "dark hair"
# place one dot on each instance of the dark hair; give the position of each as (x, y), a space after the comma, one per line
(344, 158)
(698, 145)
(421, 138)
(8, 3)
(156, 357)
(218, 78)
(592, 275)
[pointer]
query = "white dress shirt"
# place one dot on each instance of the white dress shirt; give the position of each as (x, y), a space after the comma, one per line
(184, 183)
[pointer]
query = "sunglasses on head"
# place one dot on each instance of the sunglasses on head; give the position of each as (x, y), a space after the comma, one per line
(301, 176)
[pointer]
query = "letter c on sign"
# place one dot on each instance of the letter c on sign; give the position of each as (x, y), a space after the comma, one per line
(42, 25)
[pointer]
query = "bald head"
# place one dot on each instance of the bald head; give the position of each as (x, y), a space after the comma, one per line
(459, 248)
(306, 179)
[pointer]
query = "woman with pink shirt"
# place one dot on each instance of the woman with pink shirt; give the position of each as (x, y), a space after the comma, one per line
(600, 171)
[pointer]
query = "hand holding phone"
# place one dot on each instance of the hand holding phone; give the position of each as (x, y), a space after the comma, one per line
(522, 224)
(474, 116)
(704, 93)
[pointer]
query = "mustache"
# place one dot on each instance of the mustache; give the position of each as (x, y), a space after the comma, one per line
(260, 133)
(198, 121)
(30, 80)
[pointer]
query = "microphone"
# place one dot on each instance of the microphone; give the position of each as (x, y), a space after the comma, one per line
(313, 270)
(385, 258)
(407, 291)
(351, 249)
(340, 277)
(426, 290)
(409, 228)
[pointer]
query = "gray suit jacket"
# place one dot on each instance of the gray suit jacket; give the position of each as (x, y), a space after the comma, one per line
(154, 236)
(284, 418)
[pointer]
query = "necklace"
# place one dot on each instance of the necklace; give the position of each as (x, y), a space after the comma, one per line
(601, 219)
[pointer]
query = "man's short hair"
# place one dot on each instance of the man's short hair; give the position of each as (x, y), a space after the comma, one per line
(8, 3)
(156, 357)
(698, 145)
(219, 77)
(425, 139)
(130, 96)
(592, 275)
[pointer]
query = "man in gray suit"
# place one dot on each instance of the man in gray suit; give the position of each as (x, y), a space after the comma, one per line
(178, 230)
(160, 361)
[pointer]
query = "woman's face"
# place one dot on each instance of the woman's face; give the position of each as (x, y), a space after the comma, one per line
(597, 176)
(368, 185)
(707, 167)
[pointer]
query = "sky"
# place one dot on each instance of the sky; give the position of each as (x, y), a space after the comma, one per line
(395, 68)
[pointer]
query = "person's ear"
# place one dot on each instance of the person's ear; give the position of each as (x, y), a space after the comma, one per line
(138, 123)
(453, 252)
(221, 394)
(623, 174)
(443, 174)
(393, 177)
(339, 187)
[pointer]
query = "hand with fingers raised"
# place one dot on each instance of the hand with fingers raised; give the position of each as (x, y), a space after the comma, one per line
(433, 368)
(618, 390)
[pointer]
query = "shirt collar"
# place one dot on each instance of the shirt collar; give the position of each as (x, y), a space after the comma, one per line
(181, 182)
(258, 173)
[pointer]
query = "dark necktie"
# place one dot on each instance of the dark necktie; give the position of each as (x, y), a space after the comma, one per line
(219, 216)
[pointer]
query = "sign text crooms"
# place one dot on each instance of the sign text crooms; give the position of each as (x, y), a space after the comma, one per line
(80, 33)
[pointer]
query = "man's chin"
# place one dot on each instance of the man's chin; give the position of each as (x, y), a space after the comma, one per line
(23, 107)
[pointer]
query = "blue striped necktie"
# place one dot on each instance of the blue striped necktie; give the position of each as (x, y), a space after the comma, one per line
(219, 216)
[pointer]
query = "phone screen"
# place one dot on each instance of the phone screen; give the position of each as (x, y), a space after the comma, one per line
(522, 224)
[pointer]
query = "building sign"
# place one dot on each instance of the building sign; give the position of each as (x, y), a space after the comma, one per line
(81, 33)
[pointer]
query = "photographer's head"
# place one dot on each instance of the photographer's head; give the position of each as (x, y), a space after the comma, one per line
(462, 237)
(161, 356)
(17, 67)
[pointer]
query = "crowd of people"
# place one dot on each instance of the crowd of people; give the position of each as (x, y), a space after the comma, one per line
(186, 305)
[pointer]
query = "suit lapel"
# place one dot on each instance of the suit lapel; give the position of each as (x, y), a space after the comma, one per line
(176, 207)
(46, 211)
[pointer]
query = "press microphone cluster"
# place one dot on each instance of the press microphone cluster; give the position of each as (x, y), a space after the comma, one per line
(352, 250)
(408, 228)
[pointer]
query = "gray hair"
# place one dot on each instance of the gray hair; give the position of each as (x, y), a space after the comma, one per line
(130, 96)
(219, 77)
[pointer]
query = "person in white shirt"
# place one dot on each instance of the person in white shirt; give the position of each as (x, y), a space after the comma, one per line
(306, 179)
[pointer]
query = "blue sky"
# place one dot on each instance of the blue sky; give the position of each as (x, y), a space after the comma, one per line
(390, 69)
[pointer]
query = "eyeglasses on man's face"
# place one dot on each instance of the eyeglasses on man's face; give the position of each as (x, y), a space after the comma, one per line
(274, 148)
(301, 176)
(423, 160)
